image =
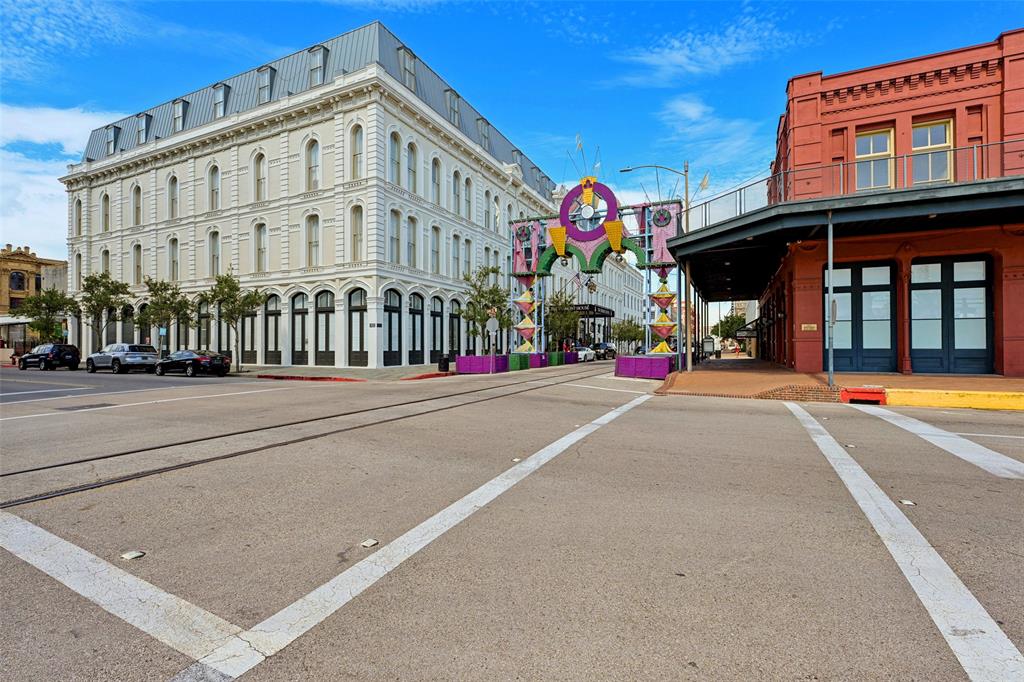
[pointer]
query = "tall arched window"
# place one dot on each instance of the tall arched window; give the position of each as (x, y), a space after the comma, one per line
(487, 209)
(300, 354)
(260, 244)
(356, 145)
(410, 241)
(312, 240)
(435, 181)
(136, 206)
(456, 269)
(137, 264)
(416, 322)
(436, 329)
(497, 212)
(172, 260)
(392, 327)
(357, 233)
(105, 212)
(78, 218)
(467, 262)
(394, 238)
(127, 324)
(312, 166)
(455, 329)
(78, 271)
(469, 200)
(395, 159)
(272, 330)
(487, 260)
(259, 174)
(203, 339)
(214, 180)
(435, 250)
(214, 254)
(411, 162)
(456, 193)
(324, 343)
(172, 197)
(357, 354)
(104, 264)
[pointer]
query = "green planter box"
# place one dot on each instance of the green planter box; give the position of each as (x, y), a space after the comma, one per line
(556, 358)
(517, 361)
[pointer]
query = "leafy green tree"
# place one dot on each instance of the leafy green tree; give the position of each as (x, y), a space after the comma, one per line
(726, 329)
(102, 294)
(485, 297)
(233, 303)
(627, 333)
(45, 311)
(164, 304)
(561, 320)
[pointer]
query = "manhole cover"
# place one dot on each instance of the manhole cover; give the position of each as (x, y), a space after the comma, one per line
(76, 408)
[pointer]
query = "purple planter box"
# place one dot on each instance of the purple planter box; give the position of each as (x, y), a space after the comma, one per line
(538, 360)
(572, 357)
(645, 366)
(481, 364)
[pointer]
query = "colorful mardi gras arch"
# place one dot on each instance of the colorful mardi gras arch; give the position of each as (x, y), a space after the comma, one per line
(588, 229)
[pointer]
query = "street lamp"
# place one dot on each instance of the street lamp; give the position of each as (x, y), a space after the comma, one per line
(679, 274)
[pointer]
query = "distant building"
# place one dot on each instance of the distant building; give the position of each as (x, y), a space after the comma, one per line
(24, 274)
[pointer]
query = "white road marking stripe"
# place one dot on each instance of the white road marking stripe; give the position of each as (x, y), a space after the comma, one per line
(248, 649)
(170, 619)
(45, 390)
(969, 451)
(987, 435)
(602, 388)
(133, 390)
(148, 402)
(983, 649)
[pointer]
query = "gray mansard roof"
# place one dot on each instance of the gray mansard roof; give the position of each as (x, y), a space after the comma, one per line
(351, 51)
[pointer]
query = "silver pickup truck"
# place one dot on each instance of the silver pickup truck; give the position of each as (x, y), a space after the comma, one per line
(123, 357)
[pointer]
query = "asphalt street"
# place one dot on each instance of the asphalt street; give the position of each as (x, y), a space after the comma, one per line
(550, 524)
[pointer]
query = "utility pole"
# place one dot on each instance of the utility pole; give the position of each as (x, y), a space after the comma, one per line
(686, 230)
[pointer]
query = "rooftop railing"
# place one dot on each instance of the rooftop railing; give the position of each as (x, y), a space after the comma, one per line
(865, 176)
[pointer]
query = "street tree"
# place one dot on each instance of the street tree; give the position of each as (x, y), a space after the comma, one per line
(485, 297)
(233, 303)
(103, 300)
(45, 311)
(561, 320)
(627, 333)
(164, 304)
(726, 329)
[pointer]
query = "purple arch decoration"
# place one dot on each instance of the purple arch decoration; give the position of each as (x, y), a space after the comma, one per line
(598, 232)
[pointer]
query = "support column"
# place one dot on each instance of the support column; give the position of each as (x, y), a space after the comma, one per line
(375, 328)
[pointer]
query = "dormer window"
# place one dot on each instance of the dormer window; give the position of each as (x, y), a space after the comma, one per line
(317, 65)
(266, 80)
(179, 115)
(142, 129)
(407, 62)
(517, 156)
(220, 100)
(484, 128)
(112, 139)
(453, 107)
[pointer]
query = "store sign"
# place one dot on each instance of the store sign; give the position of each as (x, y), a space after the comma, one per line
(809, 327)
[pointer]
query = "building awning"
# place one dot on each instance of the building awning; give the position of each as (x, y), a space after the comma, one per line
(747, 331)
(591, 310)
(10, 319)
(736, 258)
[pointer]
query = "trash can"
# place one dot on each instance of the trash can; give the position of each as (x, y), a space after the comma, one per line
(442, 364)
(718, 354)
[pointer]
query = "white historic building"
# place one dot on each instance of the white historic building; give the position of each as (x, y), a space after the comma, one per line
(348, 181)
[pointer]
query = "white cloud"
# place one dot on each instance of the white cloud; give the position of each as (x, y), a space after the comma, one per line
(68, 128)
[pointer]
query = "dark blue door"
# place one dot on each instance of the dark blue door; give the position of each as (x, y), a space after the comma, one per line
(865, 329)
(951, 316)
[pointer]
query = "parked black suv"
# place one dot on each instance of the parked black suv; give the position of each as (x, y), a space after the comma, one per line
(604, 351)
(51, 356)
(193, 362)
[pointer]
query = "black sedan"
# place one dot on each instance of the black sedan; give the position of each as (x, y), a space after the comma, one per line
(604, 351)
(51, 356)
(193, 362)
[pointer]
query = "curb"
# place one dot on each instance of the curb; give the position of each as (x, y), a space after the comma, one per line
(290, 377)
(977, 400)
(428, 375)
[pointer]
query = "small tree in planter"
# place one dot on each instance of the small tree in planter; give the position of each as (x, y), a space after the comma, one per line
(484, 298)
(233, 303)
(103, 299)
(164, 304)
(561, 321)
(45, 311)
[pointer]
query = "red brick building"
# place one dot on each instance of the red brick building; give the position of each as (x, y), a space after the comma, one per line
(918, 166)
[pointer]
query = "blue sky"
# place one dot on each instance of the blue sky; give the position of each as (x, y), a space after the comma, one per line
(646, 82)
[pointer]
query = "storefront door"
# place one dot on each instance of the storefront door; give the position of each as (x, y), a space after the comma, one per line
(865, 329)
(951, 316)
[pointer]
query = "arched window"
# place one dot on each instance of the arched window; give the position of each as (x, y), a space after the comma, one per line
(78, 218)
(105, 212)
(435, 181)
(487, 261)
(172, 197)
(392, 328)
(455, 329)
(395, 159)
(456, 268)
(300, 354)
(214, 254)
(136, 206)
(410, 241)
(487, 209)
(467, 262)
(312, 166)
(127, 324)
(469, 200)
(410, 168)
(203, 340)
(357, 233)
(356, 144)
(508, 212)
(435, 250)
(497, 213)
(104, 265)
(357, 354)
(259, 174)
(172, 260)
(17, 279)
(436, 329)
(78, 271)
(137, 264)
(394, 238)
(416, 321)
(324, 343)
(260, 245)
(456, 193)
(312, 240)
(214, 180)
(272, 330)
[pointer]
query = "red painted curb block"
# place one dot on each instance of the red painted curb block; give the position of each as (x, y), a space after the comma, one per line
(282, 377)
(863, 394)
(429, 375)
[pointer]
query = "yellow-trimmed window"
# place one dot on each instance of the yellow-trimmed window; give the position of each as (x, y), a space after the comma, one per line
(874, 159)
(933, 152)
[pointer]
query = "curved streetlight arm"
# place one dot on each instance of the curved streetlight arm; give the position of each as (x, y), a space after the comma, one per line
(629, 169)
